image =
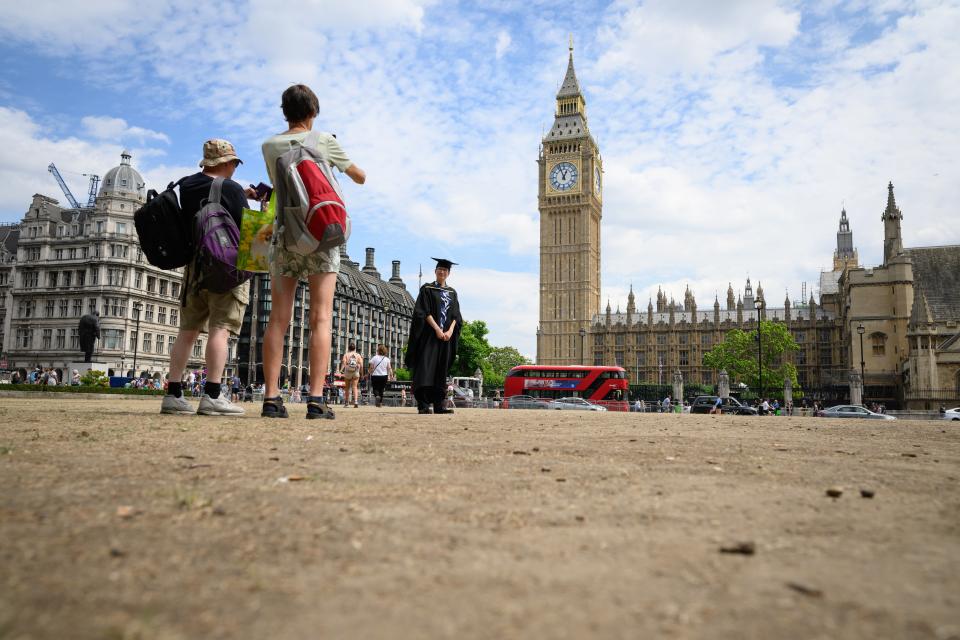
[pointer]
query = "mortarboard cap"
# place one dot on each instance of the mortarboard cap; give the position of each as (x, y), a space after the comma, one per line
(443, 262)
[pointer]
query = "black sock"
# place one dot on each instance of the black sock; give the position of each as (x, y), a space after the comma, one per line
(175, 389)
(212, 389)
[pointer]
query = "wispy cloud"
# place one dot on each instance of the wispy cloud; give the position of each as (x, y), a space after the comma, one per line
(117, 129)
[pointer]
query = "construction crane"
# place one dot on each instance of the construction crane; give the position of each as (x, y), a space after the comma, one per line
(91, 191)
(52, 168)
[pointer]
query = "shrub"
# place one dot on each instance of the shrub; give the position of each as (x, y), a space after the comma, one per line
(81, 389)
(94, 378)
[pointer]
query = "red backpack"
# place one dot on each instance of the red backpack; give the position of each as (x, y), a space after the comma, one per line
(310, 213)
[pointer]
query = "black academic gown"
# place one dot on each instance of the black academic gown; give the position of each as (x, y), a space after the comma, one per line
(428, 357)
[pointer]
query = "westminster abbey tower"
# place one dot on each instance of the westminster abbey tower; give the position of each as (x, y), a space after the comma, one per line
(570, 203)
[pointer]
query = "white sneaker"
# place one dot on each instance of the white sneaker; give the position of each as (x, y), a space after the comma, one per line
(173, 404)
(218, 407)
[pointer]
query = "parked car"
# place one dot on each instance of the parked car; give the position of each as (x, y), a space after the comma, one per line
(462, 399)
(576, 404)
(853, 411)
(730, 406)
(525, 402)
(951, 414)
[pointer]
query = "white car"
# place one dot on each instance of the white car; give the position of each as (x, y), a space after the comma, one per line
(854, 411)
(576, 404)
(951, 414)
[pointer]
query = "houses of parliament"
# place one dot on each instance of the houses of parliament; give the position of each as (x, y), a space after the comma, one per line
(898, 322)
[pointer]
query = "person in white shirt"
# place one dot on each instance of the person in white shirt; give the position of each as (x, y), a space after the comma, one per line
(380, 371)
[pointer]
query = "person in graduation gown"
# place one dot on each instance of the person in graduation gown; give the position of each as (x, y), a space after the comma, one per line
(434, 336)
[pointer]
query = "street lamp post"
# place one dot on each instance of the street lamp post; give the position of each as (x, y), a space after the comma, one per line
(758, 303)
(583, 339)
(863, 381)
(136, 342)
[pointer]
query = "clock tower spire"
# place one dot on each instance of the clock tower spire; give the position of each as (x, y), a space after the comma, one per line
(570, 204)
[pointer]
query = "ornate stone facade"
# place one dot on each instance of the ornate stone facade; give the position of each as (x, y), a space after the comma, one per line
(906, 310)
(570, 203)
(69, 262)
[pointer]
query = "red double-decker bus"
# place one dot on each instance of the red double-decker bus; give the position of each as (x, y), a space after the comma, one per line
(606, 386)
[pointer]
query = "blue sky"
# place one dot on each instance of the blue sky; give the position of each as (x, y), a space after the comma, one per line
(732, 132)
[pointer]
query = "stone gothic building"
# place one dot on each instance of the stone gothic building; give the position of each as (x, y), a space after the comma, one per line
(906, 311)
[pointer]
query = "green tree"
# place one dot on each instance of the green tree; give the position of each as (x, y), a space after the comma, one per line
(501, 360)
(473, 349)
(738, 355)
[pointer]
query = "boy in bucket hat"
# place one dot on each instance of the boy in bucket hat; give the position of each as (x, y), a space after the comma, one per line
(219, 313)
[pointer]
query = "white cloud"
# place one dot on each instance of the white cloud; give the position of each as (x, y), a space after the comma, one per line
(28, 149)
(117, 129)
(503, 300)
(503, 44)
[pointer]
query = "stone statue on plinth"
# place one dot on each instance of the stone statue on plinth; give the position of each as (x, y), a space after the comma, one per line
(89, 331)
(856, 388)
(723, 385)
(678, 386)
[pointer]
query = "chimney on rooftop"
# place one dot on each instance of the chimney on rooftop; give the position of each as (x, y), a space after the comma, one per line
(370, 267)
(395, 278)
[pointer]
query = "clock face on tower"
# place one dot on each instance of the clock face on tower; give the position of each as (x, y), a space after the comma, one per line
(596, 180)
(563, 176)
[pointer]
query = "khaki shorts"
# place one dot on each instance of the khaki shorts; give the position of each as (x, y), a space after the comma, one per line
(294, 265)
(204, 309)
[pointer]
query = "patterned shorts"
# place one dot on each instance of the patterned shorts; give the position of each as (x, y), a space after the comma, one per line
(294, 265)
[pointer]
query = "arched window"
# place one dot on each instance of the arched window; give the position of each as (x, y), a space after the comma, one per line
(879, 342)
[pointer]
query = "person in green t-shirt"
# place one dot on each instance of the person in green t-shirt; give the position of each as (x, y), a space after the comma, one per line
(300, 107)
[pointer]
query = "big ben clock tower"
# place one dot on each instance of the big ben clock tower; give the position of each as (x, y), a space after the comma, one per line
(570, 203)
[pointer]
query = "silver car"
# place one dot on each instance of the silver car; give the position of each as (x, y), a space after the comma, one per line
(951, 414)
(577, 404)
(854, 411)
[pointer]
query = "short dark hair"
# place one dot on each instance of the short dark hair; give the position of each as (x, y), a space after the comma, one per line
(351, 346)
(299, 103)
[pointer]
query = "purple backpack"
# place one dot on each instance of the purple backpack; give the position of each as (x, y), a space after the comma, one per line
(217, 237)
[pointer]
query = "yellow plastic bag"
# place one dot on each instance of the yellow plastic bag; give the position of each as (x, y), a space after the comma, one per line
(256, 232)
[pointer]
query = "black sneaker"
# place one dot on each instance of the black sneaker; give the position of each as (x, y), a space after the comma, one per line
(424, 409)
(273, 408)
(317, 409)
(439, 410)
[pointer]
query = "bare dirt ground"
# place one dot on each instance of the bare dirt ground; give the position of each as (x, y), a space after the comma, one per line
(117, 522)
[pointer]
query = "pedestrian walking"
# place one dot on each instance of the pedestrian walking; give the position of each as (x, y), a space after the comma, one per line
(717, 406)
(300, 108)
(380, 372)
(434, 336)
(220, 314)
(351, 365)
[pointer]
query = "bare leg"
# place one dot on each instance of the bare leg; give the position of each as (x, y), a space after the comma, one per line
(322, 287)
(282, 290)
(216, 354)
(181, 352)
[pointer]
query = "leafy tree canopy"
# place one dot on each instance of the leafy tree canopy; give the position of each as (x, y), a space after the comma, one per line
(475, 352)
(738, 355)
(500, 361)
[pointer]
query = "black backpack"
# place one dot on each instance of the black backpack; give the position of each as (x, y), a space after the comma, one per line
(166, 236)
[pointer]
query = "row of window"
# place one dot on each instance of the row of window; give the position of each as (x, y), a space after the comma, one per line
(116, 277)
(683, 358)
(111, 339)
(112, 307)
(67, 231)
